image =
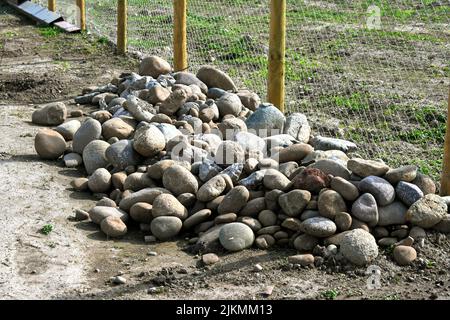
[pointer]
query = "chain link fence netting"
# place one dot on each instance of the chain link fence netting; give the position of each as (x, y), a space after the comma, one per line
(372, 71)
(101, 18)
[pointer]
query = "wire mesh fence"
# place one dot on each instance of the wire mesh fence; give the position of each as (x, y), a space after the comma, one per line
(372, 71)
(150, 27)
(101, 18)
(232, 35)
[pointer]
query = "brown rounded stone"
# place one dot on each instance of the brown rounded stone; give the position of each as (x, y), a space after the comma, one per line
(404, 255)
(49, 144)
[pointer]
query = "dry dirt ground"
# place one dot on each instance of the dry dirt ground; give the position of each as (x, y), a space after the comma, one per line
(76, 261)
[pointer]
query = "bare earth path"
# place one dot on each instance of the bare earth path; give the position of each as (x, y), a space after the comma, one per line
(76, 260)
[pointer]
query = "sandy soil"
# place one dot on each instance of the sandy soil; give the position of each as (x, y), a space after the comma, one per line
(76, 261)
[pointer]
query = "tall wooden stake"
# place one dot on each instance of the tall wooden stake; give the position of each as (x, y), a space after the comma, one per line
(122, 26)
(82, 7)
(180, 60)
(277, 50)
(52, 5)
(445, 177)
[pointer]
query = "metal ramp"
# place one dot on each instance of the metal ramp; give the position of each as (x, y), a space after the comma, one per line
(42, 15)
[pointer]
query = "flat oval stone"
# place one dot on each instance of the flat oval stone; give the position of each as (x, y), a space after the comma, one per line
(236, 236)
(332, 167)
(365, 168)
(295, 152)
(345, 188)
(113, 227)
(408, 193)
(325, 143)
(165, 228)
(319, 227)
(196, 218)
(212, 189)
(147, 195)
(405, 173)
(225, 218)
(97, 214)
(167, 205)
(302, 259)
(404, 255)
(178, 180)
(215, 78)
(381, 189)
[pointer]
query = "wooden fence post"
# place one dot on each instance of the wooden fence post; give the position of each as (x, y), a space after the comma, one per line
(82, 7)
(277, 50)
(179, 35)
(52, 5)
(122, 26)
(445, 177)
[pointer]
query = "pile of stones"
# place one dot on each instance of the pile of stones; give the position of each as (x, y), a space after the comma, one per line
(191, 154)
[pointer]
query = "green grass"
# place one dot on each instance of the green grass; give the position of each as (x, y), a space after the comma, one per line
(424, 135)
(103, 40)
(430, 264)
(9, 34)
(64, 65)
(354, 102)
(403, 36)
(144, 43)
(427, 114)
(298, 15)
(47, 229)
(49, 32)
(330, 294)
(392, 296)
